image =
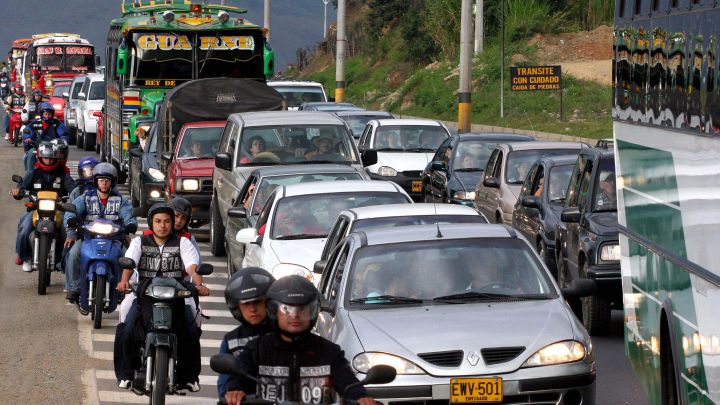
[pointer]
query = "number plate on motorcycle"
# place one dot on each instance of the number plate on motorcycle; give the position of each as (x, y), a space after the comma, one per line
(476, 390)
(416, 186)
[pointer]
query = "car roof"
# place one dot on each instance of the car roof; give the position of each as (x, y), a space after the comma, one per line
(327, 103)
(302, 83)
(340, 186)
(420, 233)
(559, 160)
(362, 113)
(95, 77)
(280, 118)
(602, 152)
(204, 124)
(408, 122)
(545, 145)
(302, 169)
(493, 136)
(397, 210)
(79, 78)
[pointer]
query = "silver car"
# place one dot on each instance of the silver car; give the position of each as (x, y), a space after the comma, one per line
(464, 312)
(71, 105)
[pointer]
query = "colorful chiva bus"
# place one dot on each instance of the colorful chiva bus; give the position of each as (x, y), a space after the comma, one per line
(156, 46)
(666, 121)
(56, 57)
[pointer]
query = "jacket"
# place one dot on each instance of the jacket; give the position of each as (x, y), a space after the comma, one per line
(56, 180)
(234, 342)
(39, 130)
(122, 215)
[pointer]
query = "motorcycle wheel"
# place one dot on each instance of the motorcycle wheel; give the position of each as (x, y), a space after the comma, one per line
(16, 137)
(159, 386)
(99, 303)
(43, 247)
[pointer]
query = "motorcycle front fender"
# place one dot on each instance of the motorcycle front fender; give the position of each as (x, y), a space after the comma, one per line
(154, 339)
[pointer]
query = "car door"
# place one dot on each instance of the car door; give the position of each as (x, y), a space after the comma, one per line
(437, 179)
(254, 251)
(523, 217)
(330, 289)
(82, 104)
(578, 198)
(233, 225)
(487, 197)
(223, 178)
(337, 233)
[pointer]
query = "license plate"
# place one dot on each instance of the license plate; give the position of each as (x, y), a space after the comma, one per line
(416, 186)
(476, 390)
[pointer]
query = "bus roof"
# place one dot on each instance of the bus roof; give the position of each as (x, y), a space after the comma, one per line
(139, 7)
(54, 34)
(21, 43)
(148, 15)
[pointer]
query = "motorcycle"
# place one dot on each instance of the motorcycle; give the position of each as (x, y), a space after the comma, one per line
(225, 363)
(15, 128)
(157, 378)
(101, 247)
(47, 217)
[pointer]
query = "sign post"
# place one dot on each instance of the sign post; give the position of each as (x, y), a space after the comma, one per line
(534, 78)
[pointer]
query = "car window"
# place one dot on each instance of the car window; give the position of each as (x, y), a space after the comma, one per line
(439, 154)
(414, 138)
(572, 194)
(585, 185)
(247, 193)
(472, 155)
(265, 215)
(85, 86)
(97, 91)
(537, 181)
(366, 137)
(604, 195)
(336, 234)
(77, 86)
(338, 269)
(326, 282)
(200, 142)
(558, 182)
(520, 161)
(502, 266)
(529, 181)
(357, 122)
(492, 161)
(59, 90)
(296, 95)
(226, 135)
(498, 165)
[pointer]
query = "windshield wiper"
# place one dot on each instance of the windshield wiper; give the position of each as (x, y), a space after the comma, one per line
(312, 162)
(300, 236)
(419, 150)
(387, 299)
(389, 149)
(471, 295)
(469, 169)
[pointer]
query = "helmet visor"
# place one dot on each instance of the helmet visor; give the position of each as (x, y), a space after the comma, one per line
(86, 172)
(307, 312)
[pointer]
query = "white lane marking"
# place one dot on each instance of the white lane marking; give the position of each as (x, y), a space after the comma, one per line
(127, 397)
(203, 342)
(110, 375)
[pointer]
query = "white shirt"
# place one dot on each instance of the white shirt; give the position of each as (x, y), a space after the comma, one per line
(188, 253)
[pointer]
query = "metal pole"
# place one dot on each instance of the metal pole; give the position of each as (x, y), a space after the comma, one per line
(479, 26)
(466, 30)
(502, 58)
(340, 58)
(266, 22)
(325, 2)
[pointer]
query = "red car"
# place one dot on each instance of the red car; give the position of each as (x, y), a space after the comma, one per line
(57, 100)
(190, 167)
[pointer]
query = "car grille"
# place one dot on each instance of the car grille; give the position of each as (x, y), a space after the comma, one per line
(443, 359)
(412, 173)
(497, 355)
(206, 186)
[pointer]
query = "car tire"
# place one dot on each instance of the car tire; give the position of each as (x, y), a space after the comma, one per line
(595, 312)
(543, 253)
(72, 136)
(88, 141)
(217, 230)
(79, 139)
(142, 202)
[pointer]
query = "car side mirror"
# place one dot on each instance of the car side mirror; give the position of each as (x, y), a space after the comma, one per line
(237, 212)
(167, 156)
(319, 266)
(81, 96)
(570, 215)
(247, 235)
(530, 201)
(126, 263)
(581, 287)
(438, 165)
(379, 374)
(97, 114)
(225, 363)
(369, 157)
(205, 269)
(66, 96)
(223, 161)
(491, 182)
(122, 59)
(137, 152)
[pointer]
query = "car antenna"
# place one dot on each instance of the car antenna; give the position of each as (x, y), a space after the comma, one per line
(437, 223)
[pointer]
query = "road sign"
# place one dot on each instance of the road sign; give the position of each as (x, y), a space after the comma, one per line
(533, 78)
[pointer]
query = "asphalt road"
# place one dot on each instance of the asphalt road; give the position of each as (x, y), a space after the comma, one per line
(51, 353)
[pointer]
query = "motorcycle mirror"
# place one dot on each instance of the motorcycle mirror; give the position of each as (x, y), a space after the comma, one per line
(126, 263)
(380, 374)
(131, 229)
(205, 269)
(225, 363)
(69, 207)
(16, 178)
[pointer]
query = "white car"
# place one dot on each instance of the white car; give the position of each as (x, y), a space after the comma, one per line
(294, 223)
(297, 92)
(71, 105)
(404, 148)
(89, 105)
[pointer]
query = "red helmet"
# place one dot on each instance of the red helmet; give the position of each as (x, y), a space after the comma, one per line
(18, 86)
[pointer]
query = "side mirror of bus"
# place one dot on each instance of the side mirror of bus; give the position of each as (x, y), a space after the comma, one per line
(269, 57)
(97, 60)
(122, 59)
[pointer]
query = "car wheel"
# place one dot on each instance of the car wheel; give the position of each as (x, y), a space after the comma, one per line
(543, 253)
(217, 230)
(595, 312)
(79, 139)
(88, 141)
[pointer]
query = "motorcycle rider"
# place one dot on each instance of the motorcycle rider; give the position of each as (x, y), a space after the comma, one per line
(245, 298)
(85, 180)
(183, 215)
(175, 254)
(16, 99)
(102, 201)
(277, 358)
(32, 108)
(45, 128)
(49, 173)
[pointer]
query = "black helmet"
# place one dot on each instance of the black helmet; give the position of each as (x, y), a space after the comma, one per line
(104, 171)
(182, 206)
(293, 291)
(246, 285)
(160, 208)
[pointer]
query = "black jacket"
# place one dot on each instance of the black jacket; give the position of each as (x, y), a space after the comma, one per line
(234, 343)
(309, 369)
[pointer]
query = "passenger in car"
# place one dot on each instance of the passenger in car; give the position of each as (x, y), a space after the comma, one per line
(607, 196)
(255, 146)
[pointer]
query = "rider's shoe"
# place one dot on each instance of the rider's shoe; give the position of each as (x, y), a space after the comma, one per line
(83, 312)
(7, 136)
(27, 267)
(18, 261)
(73, 297)
(124, 384)
(192, 387)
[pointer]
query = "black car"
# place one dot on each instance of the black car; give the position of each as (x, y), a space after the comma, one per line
(454, 172)
(147, 182)
(541, 200)
(587, 237)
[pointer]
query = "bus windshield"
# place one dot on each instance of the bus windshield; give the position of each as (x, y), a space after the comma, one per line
(66, 58)
(230, 54)
(161, 57)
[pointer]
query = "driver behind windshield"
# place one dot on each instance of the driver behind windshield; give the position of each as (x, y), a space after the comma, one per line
(607, 198)
(324, 144)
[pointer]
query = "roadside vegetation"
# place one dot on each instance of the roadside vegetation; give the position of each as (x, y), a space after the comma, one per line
(407, 63)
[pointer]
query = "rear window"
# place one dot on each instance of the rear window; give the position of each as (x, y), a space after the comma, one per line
(414, 138)
(296, 95)
(519, 162)
(97, 91)
(200, 142)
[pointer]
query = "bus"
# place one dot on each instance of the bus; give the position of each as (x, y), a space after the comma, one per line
(17, 56)
(666, 124)
(56, 57)
(156, 46)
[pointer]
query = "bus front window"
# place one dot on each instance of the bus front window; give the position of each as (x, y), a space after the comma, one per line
(237, 54)
(160, 57)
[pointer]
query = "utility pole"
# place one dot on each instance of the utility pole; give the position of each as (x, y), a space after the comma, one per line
(340, 58)
(266, 22)
(502, 58)
(464, 104)
(325, 2)
(479, 26)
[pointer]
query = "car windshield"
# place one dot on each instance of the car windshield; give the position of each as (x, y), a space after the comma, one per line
(460, 269)
(268, 184)
(519, 162)
(357, 122)
(558, 182)
(472, 155)
(59, 90)
(605, 197)
(97, 91)
(415, 138)
(200, 142)
(296, 95)
(311, 216)
(66, 58)
(388, 222)
(272, 145)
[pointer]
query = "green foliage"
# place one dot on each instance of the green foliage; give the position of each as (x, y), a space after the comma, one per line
(420, 46)
(441, 19)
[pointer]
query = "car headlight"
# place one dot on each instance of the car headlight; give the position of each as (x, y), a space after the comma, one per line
(610, 252)
(48, 83)
(387, 171)
(46, 205)
(57, 106)
(188, 184)
(162, 292)
(557, 353)
(365, 361)
(103, 228)
(156, 174)
(464, 195)
(286, 269)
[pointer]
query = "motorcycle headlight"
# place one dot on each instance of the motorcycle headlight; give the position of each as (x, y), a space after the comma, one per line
(188, 184)
(464, 195)
(365, 361)
(610, 252)
(156, 174)
(46, 205)
(387, 171)
(103, 228)
(286, 269)
(162, 292)
(557, 353)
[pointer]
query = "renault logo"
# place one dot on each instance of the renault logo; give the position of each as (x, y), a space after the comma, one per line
(473, 358)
